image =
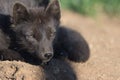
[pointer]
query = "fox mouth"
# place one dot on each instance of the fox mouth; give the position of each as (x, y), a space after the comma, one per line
(45, 60)
(42, 58)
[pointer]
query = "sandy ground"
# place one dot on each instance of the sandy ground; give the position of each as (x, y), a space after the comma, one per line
(16, 70)
(103, 36)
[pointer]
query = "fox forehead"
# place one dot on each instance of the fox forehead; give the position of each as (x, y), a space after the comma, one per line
(39, 18)
(38, 14)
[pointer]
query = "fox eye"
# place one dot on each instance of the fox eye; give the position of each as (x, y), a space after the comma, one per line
(28, 37)
(33, 35)
(53, 34)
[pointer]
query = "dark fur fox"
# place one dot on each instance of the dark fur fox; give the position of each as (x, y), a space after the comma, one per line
(33, 27)
(30, 30)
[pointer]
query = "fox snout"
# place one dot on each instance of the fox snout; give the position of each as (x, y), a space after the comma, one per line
(45, 57)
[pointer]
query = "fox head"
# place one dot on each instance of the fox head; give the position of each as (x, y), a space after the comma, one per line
(36, 28)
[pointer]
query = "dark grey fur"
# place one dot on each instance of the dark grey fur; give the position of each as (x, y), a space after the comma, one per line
(33, 27)
(59, 70)
(71, 44)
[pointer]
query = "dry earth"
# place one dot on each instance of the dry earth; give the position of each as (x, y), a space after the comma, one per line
(13, 70)
(102, 34)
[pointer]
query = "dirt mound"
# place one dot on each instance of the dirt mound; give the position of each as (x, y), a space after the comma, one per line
(13, 70)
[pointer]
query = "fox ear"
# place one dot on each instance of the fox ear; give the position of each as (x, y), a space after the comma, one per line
(53, 9)
(20, 13)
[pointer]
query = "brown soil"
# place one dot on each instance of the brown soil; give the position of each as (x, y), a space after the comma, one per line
(13, 70)
(103, 36)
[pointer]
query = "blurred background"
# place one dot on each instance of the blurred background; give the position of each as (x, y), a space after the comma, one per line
(99, 23)
(92, 7)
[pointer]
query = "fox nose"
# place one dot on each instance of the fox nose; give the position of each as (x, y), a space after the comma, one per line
(48, 55)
